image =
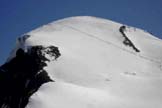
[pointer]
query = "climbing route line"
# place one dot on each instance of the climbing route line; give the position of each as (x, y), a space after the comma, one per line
(112, 44)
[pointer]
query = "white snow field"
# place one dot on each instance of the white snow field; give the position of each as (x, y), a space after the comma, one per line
(96, 69)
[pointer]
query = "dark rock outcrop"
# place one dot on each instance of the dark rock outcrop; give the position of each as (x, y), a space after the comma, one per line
(23, 75)
(127, 41)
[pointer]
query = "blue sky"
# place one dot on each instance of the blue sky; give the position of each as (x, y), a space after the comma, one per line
(20, 16)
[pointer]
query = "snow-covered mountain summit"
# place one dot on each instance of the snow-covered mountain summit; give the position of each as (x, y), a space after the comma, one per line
(94, 63)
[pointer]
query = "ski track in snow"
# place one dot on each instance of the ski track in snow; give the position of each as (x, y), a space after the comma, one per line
(120, 48)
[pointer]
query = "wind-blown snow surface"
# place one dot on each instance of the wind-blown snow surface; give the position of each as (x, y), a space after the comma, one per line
(95, 69)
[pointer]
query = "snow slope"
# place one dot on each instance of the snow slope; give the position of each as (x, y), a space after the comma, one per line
(95, 69)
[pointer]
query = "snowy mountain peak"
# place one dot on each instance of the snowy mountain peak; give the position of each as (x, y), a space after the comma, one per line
(96, 63)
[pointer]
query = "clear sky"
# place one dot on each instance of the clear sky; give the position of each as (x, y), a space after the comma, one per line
(20, 16)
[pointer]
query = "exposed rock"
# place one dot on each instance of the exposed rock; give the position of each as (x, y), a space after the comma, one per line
(23, 75)
(127, 41)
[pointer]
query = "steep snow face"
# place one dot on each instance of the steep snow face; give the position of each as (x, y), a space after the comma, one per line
(99, 66)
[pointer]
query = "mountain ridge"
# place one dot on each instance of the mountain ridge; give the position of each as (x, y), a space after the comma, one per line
(102, 64)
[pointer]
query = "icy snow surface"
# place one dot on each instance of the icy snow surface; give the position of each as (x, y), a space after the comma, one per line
(95, 69)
